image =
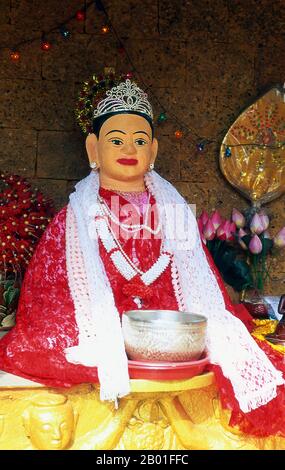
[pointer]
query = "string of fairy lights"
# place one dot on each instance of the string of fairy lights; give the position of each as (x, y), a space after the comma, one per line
(64, 31)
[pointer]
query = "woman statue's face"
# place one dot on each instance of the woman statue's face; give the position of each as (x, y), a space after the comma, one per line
(125, 147)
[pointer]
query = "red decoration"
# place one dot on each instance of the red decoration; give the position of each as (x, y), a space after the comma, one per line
(129, 75)
(24, 215)
(80, 15)
(105, 29)
(15, 56)
(178, 134)
(45, 45)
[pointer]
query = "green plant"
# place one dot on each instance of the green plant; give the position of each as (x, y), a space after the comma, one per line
(9, 295)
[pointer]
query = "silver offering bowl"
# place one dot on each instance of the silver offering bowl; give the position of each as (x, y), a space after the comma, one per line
(164, 335)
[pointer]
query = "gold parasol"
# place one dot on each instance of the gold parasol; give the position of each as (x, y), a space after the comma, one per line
(252, 154)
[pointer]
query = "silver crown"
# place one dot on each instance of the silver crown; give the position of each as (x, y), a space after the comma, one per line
(127, 96)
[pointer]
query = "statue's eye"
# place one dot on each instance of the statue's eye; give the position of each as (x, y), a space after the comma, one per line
(141, 142)
(116, 141)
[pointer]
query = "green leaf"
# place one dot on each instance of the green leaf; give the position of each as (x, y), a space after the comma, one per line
(234, 271)
(239, 275)
(13, 295)
(8, 283)
(10, 295)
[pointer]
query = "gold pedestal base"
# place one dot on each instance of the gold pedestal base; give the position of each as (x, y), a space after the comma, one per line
(175, 415)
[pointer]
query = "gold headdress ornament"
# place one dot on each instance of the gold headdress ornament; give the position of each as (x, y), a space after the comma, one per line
(109, 94)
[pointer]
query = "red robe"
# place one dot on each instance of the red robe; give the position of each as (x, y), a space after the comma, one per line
(46, 324)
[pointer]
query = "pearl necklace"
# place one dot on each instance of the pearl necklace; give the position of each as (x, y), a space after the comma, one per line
(120, 258)
(127, 227)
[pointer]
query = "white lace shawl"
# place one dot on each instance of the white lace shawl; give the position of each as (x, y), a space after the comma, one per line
(100, 341)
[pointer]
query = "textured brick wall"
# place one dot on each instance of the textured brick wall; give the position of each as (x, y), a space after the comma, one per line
(205, 61)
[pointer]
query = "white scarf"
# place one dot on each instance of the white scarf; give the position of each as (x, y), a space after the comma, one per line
(100, 339)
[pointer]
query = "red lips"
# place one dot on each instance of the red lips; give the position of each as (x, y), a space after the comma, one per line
(127, 161)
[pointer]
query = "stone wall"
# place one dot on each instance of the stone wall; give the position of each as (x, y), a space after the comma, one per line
(204, 60)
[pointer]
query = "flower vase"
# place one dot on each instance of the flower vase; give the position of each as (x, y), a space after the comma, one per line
(255, 303)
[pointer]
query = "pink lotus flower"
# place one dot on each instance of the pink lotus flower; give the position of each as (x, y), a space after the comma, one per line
(209, 231)
(204, 217)
(256, 225)
(255, 245)
(232, 230)
(221, 232)
(238, 218)
(216, 219)
(279, 239)
(264, 220)
(242, 233)
(226, 231)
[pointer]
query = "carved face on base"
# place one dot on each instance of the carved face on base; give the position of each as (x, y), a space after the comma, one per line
(49, 425)
(124, 150)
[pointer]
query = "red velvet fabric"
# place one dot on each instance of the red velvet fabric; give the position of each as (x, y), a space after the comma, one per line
(46, 324)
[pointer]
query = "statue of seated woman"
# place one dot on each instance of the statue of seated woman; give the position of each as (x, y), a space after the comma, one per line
(128, 240)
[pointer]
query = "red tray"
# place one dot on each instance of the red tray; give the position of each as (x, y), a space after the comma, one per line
(167, 370)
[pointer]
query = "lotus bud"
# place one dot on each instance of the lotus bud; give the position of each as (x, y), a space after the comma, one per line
(238, 218)
(279, 239)
(216, 219)
(209, 231)
(230, 229)
(256, 225)
(255, 245)
(204, 217)
(221, 232)
(233, 229)
(200, 225)
(264, 220)
(242, 233)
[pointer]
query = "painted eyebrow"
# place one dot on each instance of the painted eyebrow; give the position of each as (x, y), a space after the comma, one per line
(122, 132)
(115, 130)
(141, 132)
